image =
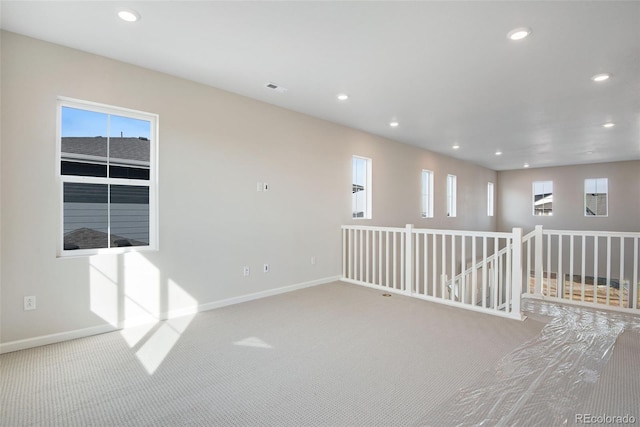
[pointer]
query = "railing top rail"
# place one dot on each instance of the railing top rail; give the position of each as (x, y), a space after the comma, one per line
(528, 236)
(591, 233)
(491, 234)
(367, 227)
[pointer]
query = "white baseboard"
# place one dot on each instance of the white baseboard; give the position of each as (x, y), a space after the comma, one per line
(95, 330)
(264, 294)
(55, 338)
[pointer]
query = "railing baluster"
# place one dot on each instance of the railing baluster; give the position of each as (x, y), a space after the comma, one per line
(595, 269)
(388, 245)
(560, 273)
(408, 245)
(395, 260)
(344, 253)
(380, 257)
(538, 259)
(528, 274)
(374, 265)
(417, 263)
(508, 278)
(608, 282)
(360, 256)
(484, 271)
(350, 252)
(497, 283)
(474, 272)
(434, 264)
(444, 265)
(463, 269)
(366, 256)
(548, 293)
(402, 269)
(621, 276)
(584, 250)
(426, 263)
(634, 285)
(571, 267)
(453, 267)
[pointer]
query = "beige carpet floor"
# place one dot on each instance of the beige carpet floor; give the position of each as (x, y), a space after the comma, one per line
(334, 354)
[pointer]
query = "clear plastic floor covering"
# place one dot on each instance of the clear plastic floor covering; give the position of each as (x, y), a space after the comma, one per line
(541, 382)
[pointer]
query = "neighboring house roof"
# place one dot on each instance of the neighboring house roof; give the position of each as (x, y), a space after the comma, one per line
(126, 150)
(86, 238)
(542, 199)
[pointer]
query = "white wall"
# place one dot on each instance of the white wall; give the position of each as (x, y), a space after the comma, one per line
(514, 192)
(214, 147)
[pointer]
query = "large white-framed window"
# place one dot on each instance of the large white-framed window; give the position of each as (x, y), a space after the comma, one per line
(543, 198)
(490, 198)
(596, 197)
(452, 191)
(427, 194)
(107, 170)
(361, 188)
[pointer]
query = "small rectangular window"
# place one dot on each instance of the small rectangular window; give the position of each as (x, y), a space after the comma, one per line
(451, 195)
(107, 173)
(490, 198)
(596, 192)
(427, 193)
(543, 198)
(361, 188)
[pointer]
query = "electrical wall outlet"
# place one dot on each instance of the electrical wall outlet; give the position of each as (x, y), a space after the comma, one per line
(313, 260)
(266, 268)
(259, 186)
(29, 303)
(245, 270)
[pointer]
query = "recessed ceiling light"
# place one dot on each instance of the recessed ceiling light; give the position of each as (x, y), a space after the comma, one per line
(342, 96)
(526, 165)
(498, 153)
(589, 152)
(394, 124)
(129, 15)
(609, 125)
(455, 147)
(601, 77)
(518, 33)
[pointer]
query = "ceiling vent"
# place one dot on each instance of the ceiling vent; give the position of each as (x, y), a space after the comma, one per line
(275, 87)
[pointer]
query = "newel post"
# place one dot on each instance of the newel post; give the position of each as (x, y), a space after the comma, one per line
(538, 260)
(516, 270)
(408, 260)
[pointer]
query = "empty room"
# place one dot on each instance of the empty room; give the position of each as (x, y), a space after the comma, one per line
(330, 213)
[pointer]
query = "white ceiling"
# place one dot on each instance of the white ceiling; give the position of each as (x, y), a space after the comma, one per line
(445, 70)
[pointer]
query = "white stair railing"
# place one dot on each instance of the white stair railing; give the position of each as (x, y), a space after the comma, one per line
(420, 263)
(593, 268)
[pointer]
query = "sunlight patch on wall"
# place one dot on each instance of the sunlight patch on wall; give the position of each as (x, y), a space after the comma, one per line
(103, 286)
(179, 301)
(141, 290)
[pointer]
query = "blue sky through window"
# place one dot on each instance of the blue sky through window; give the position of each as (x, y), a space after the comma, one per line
(76, 122)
